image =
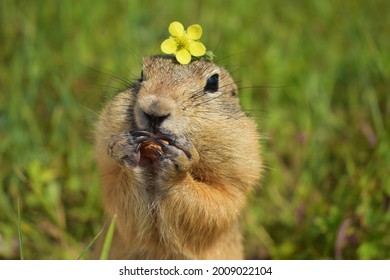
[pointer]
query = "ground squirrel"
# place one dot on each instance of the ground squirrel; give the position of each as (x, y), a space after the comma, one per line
(183, 202)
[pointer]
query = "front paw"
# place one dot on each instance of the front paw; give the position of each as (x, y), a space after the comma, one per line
(124, 147)
(175, 160)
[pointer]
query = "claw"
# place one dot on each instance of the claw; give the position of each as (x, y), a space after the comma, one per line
(160, 143)
(139, 139)
(173, 142)
(169, 139)
(159, 153)
(138, 148)
(182, 146)
(138, 133)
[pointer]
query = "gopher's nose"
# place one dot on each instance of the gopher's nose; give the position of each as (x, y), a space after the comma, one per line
(154, 110)
(155, 121)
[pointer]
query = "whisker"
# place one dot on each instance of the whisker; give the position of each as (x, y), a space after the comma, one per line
(113, 76)
(208, 100)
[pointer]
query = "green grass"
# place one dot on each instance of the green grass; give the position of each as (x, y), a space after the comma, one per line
(314, 74)
(108, 239)
(20, 234)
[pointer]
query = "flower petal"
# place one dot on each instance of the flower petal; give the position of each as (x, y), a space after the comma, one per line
(194, 32)
(176, 29)
(169, 46)
(183, 56)
(197, 48)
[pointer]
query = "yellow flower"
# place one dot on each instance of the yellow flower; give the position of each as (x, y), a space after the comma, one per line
(184, 43)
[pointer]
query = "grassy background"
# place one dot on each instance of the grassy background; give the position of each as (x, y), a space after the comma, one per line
(324, 115)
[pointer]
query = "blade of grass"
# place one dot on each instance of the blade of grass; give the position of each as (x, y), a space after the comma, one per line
(20, 234)
(91, 243)
(107, 241)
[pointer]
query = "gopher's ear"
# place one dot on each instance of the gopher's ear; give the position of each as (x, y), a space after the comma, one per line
(147, 64)
(229, 83)
(147, 60)
(234, 90)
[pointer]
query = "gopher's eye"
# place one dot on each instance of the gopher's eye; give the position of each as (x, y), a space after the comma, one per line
(212, 84)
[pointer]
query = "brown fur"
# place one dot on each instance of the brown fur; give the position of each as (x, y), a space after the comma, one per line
(185, 205)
